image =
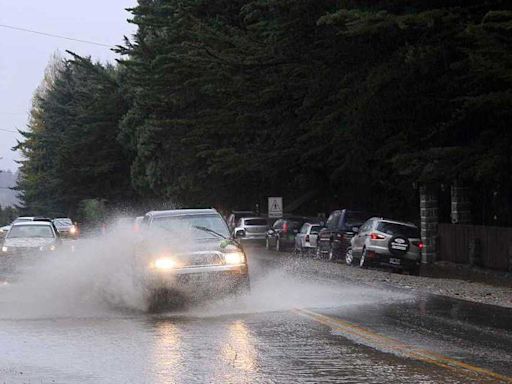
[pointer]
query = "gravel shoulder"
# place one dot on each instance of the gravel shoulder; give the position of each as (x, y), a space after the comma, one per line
(454, 281)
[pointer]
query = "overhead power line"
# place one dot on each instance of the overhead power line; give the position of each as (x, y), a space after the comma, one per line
(54, 35)
(8, 130)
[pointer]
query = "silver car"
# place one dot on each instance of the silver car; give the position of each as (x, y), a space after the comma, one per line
(28, 237)
(251, 228)
(390, 243)
(188, 252)
(306, 239)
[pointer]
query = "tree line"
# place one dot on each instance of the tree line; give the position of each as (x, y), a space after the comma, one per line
(225, 102)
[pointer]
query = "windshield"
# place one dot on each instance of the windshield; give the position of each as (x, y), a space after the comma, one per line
(179, 224)
(394, 229)
(255, 222)
(62, 222)
(42, 231)
(22, 220)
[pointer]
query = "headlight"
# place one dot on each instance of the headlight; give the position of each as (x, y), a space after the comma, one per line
(234, 258)
(4, 249)
(72, 230)
(52, 247)
(164, 263)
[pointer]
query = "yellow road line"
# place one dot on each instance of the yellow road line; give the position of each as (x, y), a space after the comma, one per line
(393, 344)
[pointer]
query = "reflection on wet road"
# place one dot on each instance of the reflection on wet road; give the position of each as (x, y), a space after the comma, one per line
(292, 329)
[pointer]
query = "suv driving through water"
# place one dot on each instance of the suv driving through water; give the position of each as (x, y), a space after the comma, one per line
(189, 252)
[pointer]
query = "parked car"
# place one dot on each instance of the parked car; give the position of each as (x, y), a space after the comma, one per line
(137, 223)
(235, 216)
(251, 228)
(306, 239)
(334, 239)
(66, 227)
(190, 252)
(27, 237)
(281, 236)
(390, 243)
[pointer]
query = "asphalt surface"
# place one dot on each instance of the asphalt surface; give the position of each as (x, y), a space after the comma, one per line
(73, 325)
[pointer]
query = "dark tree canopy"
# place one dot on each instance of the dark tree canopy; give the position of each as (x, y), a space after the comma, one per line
(223, 103)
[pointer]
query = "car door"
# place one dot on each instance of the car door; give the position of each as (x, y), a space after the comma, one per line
(300, 238)
(314, 230)
(273, 232)
(327, 233)
(360, 237)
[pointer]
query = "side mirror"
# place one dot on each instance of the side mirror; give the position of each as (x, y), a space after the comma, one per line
(240, 233)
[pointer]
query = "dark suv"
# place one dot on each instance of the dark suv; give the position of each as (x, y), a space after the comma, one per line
(281, 235)
(334, 239)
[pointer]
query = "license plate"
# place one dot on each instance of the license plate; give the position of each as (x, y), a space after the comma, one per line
(394, 261)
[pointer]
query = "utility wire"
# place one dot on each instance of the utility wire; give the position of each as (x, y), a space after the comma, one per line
(53, 35)
(8, 130)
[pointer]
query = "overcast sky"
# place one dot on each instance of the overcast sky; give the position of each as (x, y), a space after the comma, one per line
(24, 56)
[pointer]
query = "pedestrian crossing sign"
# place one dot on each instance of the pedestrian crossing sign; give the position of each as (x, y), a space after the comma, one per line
(275, 207)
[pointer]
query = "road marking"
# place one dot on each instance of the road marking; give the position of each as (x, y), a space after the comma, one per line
(386, 343)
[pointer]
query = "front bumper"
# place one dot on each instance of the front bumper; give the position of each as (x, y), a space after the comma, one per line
(192, 278)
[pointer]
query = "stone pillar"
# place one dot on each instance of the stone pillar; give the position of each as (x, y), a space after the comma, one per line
(429, 212)
(461, 206)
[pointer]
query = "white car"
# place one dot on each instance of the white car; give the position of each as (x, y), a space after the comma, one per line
(306, 239)
(27, 237)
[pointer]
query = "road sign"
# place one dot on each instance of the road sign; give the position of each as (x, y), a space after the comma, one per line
(275, 207)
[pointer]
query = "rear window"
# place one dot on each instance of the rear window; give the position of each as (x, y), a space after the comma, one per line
(315, 229)
(295, 224)
(262, 222)
(356, 218)
(394, 229)
(278, 224)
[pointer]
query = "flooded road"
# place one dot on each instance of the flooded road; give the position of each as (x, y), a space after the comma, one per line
(295, 327)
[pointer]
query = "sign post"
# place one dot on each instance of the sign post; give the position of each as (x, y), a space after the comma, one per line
(275, 207)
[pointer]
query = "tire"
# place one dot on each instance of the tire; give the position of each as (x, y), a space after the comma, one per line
(331, 255)
(363, 263)
(278, 245)
(349, 257)
(243, 287)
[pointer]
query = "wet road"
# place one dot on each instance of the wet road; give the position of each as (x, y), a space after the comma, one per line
(296, 326)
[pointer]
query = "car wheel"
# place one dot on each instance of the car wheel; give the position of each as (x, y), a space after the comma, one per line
(278, 245)
(332, 255)
(349, 257)
(362, 261)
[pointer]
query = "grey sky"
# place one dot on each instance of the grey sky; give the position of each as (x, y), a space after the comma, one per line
(24, 56)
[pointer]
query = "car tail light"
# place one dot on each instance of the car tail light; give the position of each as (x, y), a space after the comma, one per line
(376, 236)
(419, 244)
(307, 238)
(285, 227)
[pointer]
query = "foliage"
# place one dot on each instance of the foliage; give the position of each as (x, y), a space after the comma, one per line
(71, 151)
(225, 102)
